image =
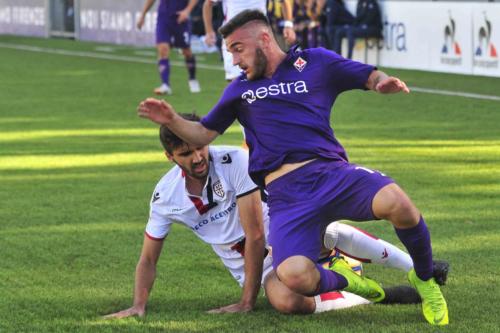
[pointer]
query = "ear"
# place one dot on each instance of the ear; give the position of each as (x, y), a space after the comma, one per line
(265, 38)
(169, 157)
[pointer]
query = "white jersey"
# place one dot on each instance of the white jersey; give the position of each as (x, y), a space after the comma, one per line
(228, 179)
(219, 226)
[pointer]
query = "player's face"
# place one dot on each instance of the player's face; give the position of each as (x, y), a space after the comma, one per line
(193, 160)
(247, 54)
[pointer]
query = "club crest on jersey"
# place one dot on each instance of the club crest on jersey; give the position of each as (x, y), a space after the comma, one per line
(226, 159)
(156, 196)
(218, 189)
(300, 64)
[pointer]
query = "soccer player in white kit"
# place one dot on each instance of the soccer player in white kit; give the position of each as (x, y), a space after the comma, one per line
(231, 8)
(210, 192)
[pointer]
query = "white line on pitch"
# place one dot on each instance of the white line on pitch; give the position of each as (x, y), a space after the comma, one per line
(205, 66)
(455, 93)
(96, 55)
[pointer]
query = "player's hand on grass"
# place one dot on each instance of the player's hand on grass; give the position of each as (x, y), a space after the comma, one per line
(130, 312)
(237, 307)
(391, 85)
(156, 110)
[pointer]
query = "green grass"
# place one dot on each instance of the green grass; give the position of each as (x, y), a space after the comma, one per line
(77, 168)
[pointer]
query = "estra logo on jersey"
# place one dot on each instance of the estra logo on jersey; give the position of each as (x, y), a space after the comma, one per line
(288, 88)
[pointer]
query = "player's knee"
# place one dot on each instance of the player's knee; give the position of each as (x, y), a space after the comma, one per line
(187, 53)
(391, 203)
(297, 273)
(163, 51)
(283, 299)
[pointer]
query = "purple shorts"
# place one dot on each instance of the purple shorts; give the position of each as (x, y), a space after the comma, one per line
(302, 202)
(169, 31)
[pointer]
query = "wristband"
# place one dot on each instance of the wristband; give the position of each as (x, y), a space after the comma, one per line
(287, 24)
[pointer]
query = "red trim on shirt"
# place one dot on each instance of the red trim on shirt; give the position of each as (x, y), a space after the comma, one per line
(202, 209)
(153, 238)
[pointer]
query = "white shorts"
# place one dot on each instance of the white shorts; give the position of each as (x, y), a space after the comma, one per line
(232, 71)
(235, 263)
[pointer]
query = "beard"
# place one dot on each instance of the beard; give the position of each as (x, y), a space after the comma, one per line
(259, 65)
(191, 170)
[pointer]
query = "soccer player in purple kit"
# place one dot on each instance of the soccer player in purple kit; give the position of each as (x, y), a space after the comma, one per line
(172, 29)
(284, 101)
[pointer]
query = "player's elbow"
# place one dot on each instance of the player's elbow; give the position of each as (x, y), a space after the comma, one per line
(256, 237)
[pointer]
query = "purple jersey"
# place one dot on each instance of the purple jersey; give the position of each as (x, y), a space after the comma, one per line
(287, 117)
(171, 7)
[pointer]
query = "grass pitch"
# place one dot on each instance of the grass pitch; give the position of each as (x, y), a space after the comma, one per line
(77, 168)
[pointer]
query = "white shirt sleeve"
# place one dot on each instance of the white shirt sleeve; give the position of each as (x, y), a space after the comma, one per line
(159, 224)
(238, 173)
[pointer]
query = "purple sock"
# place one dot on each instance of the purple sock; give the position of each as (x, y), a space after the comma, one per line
(329, 280)
(417, 241)
(191, 66)
(164, 70)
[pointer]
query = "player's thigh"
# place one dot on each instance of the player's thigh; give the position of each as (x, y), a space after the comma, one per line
(293, 233)
(353, 188)
(181, 33)
(163, 29)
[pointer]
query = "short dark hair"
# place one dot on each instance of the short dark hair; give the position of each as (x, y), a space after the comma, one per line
(169, 140)
(241, 19)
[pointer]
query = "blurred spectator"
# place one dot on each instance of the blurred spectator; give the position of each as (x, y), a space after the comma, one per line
(280, 14)
(197, 28)
(367, 23)
(337, 17)
(302, 21)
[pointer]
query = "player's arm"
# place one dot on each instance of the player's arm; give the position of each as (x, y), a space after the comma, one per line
(147, 6)
(163, 113)
(250, 210)
(207, 22)
(382, 83)
(288, 30)
(145, 275)
(183, 15)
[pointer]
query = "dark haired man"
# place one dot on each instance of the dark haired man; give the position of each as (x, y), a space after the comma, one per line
(284, 100)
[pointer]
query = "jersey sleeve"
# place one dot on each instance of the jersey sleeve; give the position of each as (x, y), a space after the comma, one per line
(238, 174)
(158, 225)
(344, 74)
(223, 114)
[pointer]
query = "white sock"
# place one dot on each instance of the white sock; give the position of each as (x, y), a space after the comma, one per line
(361, 245)
(335, 300)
